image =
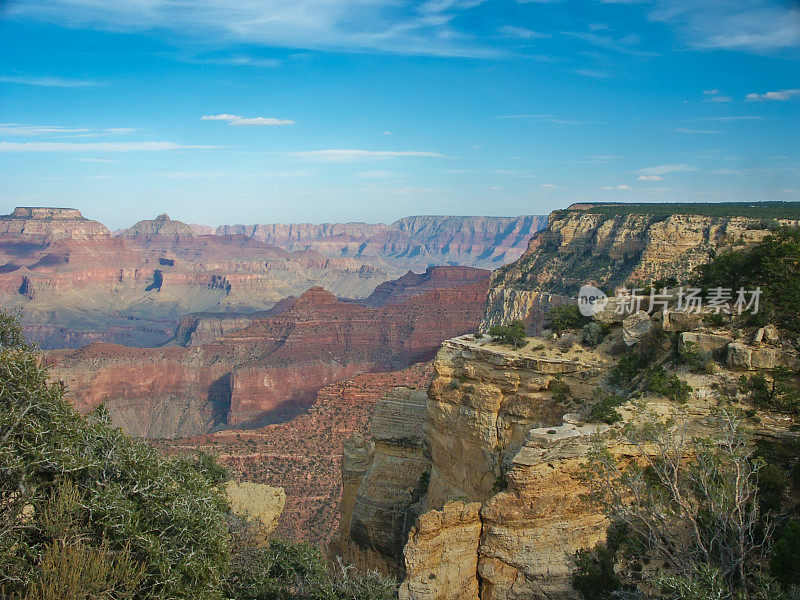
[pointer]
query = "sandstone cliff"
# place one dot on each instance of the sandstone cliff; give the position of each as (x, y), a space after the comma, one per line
(489, 500)
(579, 247)
(456, 498)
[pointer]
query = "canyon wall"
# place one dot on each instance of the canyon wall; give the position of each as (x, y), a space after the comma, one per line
(475, 488)
(409, 243)
(269, 369)
(75, 283)
(579, 247)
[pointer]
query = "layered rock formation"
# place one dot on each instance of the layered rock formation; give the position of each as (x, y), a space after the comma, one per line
(481, 491)
(579, 247)
(269, 370)
(76, 283)
(303, 455)
(410, 243)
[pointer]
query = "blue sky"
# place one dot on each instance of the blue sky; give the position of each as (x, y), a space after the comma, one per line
(225, 111)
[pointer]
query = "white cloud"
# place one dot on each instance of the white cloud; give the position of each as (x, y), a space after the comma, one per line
(426, 28)
(665, 169)
(96, 160)
(750, 25)
(720, 99)
(700, 131)
(522, 33)
(387, 133)
(550, 119)
(192, 174)
(711, 92)
(48, 81)
(621, 187)
(729, 119)
(341, 154)
(236, 120)
(17, 129)
(650, 178)
(779, 95)
(94, 147)
(548, 186)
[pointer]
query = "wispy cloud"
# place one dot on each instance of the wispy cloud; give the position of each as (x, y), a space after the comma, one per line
(665, 169)
(551, 119)
(621, 187)
(650, 178)
(779, 95)
(374, 174)
(236, 120)
(696, 131)
(521, 33)
(48, 81)
(94, 146)
(751, 25)
(17, 129)
(729, 119)
(426, 28)
(340, 154)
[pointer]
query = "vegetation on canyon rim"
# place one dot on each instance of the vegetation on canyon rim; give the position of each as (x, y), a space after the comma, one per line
(708, 515)
(87, 512)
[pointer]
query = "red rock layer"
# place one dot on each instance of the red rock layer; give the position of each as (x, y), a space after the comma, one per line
(268, 371)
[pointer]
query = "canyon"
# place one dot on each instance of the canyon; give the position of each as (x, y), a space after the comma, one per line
(75, 282)
(474, 488)
(269, 369)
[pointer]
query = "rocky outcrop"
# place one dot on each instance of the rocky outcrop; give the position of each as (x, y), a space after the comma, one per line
(44, 224)
(579, 247)
(260, 505)
(489, 497)
(383, 475)
(160, 227)
(399, 290)
(74, 283)
(410, 243)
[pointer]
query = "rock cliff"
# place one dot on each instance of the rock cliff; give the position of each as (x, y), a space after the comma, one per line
(478, 490)
(75, 283)
(482, 494)
(579, 247)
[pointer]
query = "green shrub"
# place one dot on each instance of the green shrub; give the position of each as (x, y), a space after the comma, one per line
(773, 265)
(568, 316)
(287, 571)
(628, 367)
(593, 575)
(667, 384)
(513, 334)
(134, 509)
(593, 334)
(604, 409)
(697, 359)
(785, 560)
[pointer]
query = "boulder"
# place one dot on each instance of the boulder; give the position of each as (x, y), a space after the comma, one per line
(260, 505)
(710, 342)
(635, 327)
(680, 320)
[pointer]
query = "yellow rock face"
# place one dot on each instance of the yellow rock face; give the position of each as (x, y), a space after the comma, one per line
(260, 504)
